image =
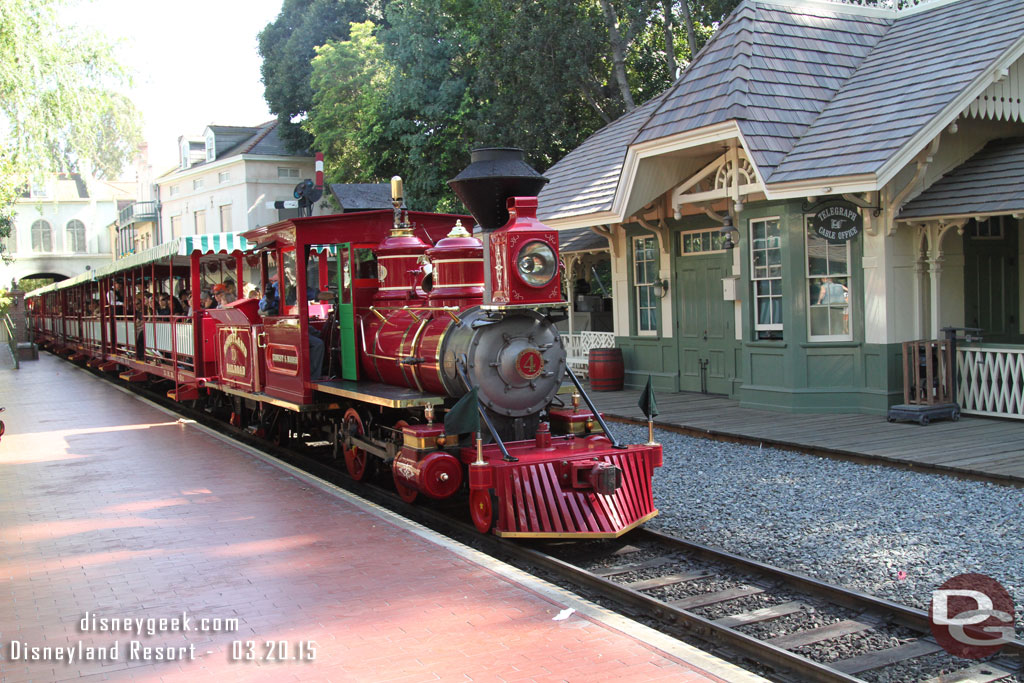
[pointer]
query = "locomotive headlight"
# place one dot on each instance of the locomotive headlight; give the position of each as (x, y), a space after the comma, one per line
(536, 263)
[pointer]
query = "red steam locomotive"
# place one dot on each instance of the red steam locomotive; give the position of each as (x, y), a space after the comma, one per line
(369, 325)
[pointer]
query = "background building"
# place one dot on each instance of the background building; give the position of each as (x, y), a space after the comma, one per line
(223, 183)
(60, 227)
(907, 118)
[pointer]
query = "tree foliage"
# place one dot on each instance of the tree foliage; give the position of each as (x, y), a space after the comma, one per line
(288, 46)
(61, 107)
(350, 81)
(434, 78)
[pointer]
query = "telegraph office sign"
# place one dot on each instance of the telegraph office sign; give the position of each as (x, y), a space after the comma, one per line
(837, 221)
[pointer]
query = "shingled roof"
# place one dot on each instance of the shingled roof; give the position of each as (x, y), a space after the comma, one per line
(816, 91)
(584, 181)
(773, 70)
(989, 183)
(919, 68)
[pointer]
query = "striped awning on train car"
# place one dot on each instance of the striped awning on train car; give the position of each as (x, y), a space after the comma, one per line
(214, 243)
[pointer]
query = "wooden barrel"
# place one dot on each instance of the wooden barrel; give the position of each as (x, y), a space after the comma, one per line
(606, 369)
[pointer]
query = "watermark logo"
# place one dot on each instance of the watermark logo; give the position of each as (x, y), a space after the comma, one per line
(972, 616)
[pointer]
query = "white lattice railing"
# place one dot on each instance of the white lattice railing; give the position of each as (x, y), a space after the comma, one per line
(991, 381)
(577, 348)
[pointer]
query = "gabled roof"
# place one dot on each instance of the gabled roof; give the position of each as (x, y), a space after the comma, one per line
(261, 140)
(584, 181)
(362, 196)
(773, 69)
(580, 240)
(918, 69)
(817, 91)
(989, 183)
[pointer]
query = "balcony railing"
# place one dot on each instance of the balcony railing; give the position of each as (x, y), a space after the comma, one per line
(991, 380)
(577, 348)
(137, 212)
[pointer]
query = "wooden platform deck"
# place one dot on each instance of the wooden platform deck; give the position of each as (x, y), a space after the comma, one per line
(983, 447)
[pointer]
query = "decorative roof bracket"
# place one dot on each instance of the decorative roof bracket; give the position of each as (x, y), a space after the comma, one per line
(924, 160)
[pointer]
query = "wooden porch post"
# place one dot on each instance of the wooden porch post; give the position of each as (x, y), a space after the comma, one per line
(935, 281)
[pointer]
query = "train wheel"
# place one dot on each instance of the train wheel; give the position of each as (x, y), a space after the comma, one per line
(406, 493)
(483, 509)
(356, 460)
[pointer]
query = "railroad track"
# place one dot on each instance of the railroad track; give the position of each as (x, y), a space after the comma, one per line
(799, 628)
(805, 629)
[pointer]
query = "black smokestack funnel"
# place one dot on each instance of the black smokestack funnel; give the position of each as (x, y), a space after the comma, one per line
(493, 175)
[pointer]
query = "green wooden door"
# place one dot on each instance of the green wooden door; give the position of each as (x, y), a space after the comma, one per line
(991, 270)
(704, 323)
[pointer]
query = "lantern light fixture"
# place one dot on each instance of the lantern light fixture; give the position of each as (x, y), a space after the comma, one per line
(729, 232)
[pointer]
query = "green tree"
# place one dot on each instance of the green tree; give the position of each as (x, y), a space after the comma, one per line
(61, 107)
(350, 82)
(288, 46)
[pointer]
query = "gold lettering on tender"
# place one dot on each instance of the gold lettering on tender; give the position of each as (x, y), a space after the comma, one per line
(281, 358)
(233, 369)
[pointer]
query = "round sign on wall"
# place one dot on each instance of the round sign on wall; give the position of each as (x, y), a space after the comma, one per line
(837, 221)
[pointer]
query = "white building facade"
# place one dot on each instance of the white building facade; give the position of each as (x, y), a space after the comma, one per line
(226, 179)
(60, 227)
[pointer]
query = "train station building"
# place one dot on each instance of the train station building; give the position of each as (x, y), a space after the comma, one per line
(825, 181)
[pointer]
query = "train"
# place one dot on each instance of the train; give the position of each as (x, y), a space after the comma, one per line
(418, 345)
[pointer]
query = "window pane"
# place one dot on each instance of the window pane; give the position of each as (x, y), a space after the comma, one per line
(839, 317)
(819, 321)
(837, 260)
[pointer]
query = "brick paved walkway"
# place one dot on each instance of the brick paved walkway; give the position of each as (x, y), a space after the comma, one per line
(112, 507)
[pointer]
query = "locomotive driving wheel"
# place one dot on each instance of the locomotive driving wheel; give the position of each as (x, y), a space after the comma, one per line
(483, 509)
(356, 460)
(406, 493)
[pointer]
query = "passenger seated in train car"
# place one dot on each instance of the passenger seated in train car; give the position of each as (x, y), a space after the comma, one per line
(269, 304)
(206, 299)
(163, 305)
(229, 290)
(115, 298)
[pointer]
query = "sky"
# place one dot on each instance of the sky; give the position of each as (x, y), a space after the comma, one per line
(195, 63)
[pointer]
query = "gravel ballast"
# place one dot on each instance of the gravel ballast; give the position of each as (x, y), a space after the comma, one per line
(888, 532)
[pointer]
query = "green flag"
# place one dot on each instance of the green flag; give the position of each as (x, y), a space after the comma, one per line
(647, 403)
(464, 416)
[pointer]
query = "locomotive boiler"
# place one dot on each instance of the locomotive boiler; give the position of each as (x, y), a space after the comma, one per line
(489, 315)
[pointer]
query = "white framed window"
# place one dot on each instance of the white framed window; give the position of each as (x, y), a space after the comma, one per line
(991, 228)
(184, 154)
(225, 218)
(175, 189)
(200, 221)
(223, 177)
(197, 184)
(175, 226)
(645, 273)
(766, 275)
(701, 242)
(828, 288)
(11, 241)
(76, 236)
(38, 191)
(287, 172)
(42, 236)
(211, 147)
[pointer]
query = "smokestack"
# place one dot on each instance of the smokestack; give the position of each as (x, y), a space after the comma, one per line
(493, 175)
